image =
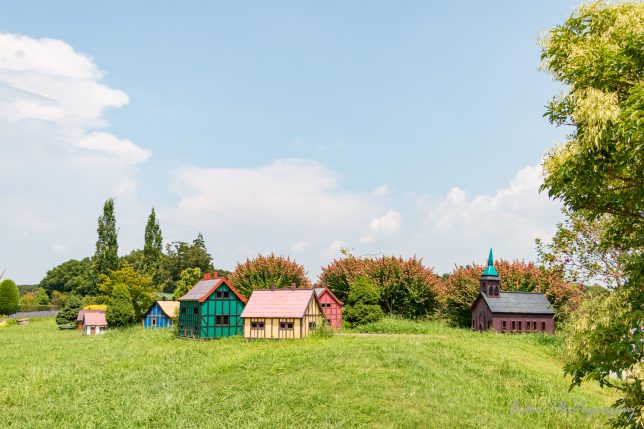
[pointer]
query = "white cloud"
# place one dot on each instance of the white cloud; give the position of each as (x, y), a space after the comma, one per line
(333, 250)
(381, 191)
(300, 246)
(387, 224)
(367, 239)
(58, 154)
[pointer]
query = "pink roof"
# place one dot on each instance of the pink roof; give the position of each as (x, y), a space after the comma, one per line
(94, 319)
(82, 312)
(285, 303)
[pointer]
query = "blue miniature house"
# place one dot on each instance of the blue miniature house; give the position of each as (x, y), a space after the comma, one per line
(160, 314)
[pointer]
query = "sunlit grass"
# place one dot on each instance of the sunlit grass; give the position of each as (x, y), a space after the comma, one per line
(447, 378)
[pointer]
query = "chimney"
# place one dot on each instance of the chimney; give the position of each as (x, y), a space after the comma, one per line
(206, 276)
(293, 286)
(274, 286)
(215, 275)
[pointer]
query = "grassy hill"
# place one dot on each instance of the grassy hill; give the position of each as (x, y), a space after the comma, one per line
(392, 374)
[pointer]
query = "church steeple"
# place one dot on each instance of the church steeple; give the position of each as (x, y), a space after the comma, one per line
(489, 280)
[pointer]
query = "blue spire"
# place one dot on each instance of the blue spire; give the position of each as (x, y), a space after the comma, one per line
(490, 270)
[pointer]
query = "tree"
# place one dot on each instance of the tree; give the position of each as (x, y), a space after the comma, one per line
(363, 304)
(9, 297)
(577, 250)
(106, 257)
(263, 272)
(41, 297)
(189, 277)
(153, 247)
(180, 256)
(120, 311)
(598, 173)
(69, 312)
(71, 276)
(139, 288)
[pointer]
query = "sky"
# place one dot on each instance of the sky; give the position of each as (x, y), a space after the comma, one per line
(297, 128)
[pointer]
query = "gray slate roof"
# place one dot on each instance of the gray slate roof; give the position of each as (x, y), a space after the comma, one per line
(519, 302)
(199, 290)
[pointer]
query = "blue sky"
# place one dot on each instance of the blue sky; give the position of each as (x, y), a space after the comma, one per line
(292, 127)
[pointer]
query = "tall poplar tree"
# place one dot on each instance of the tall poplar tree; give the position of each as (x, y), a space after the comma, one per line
(106, 257)
(152, 249)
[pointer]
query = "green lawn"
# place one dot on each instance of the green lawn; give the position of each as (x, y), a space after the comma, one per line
(435, 377)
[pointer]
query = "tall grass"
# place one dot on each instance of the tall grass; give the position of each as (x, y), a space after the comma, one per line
(134, 378)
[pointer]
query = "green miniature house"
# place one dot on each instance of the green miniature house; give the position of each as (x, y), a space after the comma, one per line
(211, 309)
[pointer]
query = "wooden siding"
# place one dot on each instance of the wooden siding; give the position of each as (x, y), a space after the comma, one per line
(331, 309)
(483, 319)
(203, 322)
(272, 328)
(156, 318)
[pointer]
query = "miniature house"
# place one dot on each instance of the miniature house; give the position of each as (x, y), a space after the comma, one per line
(160, 314)
(80, 319)
(509, 311)
(282, 313)
(331, 307)
(93, 322)
(211, 309)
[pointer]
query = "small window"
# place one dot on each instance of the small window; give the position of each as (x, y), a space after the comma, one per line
(286, 325)
(489, 324)
(154, 321)
(222, 320)
(257, 325)
(519, 325)
(472, 323)
(196, 310)
(534, 325)
(222, 294)
(514, 325)
(496, 290)
(504, 326)
(543, 326)
(311, 325)
(527, 326)
(183, 310)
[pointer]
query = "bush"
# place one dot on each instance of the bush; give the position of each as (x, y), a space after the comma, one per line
(120, 311)
(266, 271)
(69, 313)
(187, 279)
(9, 297)
(362, 303)
(323, 331)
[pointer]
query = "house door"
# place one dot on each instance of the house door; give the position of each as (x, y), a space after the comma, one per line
(98, 330)
(88, 330)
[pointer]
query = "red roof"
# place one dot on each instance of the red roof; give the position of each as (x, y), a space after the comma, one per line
(320, 290)
(204, 288)
(94, 319)
(285, 303)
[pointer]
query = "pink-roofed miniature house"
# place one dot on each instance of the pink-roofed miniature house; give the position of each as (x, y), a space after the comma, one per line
(331, 306)
(282, 313)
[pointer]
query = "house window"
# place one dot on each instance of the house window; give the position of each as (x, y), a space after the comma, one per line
(311, 325)
(256, 325)
(183, 310)
(534, 325)
(520, 326)
(196, 310)
(527, 326)
(154, 321)
(223, 294)
(286, 325)
(504, 326)
(473, 323)
(328, 321)
(222, 320)
(514, 325)
(496, 290)
(489, 324)
(543, 326)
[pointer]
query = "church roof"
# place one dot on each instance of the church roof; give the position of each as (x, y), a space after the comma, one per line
(519, 302)
(490, 270)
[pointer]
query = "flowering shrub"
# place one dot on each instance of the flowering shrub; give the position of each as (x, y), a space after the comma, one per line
(263, 272)
(49, 313)
(407, 288)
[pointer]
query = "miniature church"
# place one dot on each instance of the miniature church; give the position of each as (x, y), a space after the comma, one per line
(509, 312)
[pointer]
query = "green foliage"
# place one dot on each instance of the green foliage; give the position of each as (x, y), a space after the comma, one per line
(263, 272)
(599, 174)
(69, 312)
(188, 278)
(139, 288)
(323, 331)
(9, 297)
(120, 311)
(577, 250)
(153, 247)
(106, 257)
(41, 297)
(180, 256)
(58, 298)
(362, 303)
(71, 276)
